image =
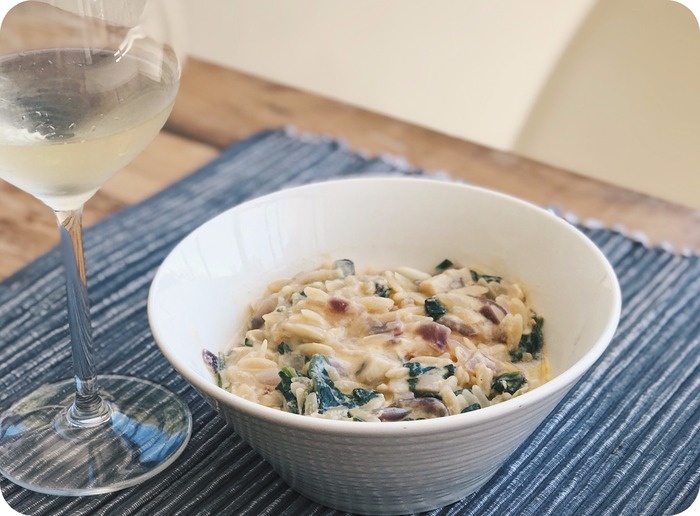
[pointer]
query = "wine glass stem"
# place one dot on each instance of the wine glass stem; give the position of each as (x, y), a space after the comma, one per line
(89, 409)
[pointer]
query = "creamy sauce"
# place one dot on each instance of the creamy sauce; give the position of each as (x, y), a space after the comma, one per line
(393, 345)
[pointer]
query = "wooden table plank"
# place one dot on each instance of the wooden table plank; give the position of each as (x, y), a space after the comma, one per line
(219, 106)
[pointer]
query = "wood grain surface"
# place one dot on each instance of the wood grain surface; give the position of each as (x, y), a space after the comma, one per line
(217, 107)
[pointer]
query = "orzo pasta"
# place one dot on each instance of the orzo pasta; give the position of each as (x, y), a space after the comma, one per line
(393, 345)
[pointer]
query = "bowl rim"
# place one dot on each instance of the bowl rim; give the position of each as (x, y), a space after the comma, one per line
(556, 386)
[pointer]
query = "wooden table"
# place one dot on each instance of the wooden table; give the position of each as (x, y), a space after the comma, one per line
(217, 107)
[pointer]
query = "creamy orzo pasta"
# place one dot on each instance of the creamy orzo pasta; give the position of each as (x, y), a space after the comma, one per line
(390, 345)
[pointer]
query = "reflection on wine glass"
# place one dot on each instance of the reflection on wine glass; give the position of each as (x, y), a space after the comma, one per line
(85, 85)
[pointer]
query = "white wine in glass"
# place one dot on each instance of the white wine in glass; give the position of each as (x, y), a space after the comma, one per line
(85, 85)
(66, 128)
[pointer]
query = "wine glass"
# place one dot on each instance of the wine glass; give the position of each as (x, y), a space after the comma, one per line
(85, 85)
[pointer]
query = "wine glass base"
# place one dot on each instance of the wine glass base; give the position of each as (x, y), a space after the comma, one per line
(40, 450)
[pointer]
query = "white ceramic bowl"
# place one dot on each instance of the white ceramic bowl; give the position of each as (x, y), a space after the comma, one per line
(202, 291)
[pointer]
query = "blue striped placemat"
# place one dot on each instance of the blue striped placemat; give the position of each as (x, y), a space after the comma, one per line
(623, 442)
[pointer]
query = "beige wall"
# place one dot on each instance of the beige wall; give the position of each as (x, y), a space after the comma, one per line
(624, 103)
(607, 88)
(466, 67)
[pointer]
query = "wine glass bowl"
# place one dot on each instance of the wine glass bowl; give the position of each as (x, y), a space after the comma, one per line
(84, 88)
(102, 97)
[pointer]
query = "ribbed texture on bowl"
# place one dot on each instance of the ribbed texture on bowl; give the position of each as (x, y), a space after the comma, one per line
(384, 488)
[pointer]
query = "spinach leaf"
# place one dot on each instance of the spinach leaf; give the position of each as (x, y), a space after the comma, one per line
(415, 369)
(381, 290)
(434, 308)
(362, 396)
(445, 264)
(327, 394)
(285, 387)
(449, 370)
(531, 343)
(283, 348)
(488, 278)
(470, 408)
(221, 365)
(508, 382)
